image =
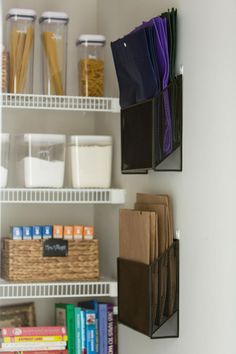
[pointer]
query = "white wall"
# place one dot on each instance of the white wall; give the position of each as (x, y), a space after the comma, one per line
(204, 193)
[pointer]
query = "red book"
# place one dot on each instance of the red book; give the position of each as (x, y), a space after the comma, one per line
(33, 331)
(38, 352)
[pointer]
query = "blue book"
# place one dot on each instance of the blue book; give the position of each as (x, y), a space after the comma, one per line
(90, 317)
(78, 348)
(102, 328)
(92, 305)
(110, 337)
(83, 332)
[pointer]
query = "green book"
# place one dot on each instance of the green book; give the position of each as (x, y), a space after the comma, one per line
(65, 316)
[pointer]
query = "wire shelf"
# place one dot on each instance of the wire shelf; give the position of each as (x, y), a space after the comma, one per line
(62, 196)
(99, 288)
(68, 103)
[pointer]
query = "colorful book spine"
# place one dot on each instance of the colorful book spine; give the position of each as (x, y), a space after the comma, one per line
(21, 349)
(102, 328)
(22, 339)
(34, 345)
(77, 330)
(92, 305)
(90, 317)
(115, 329)
(83, 332)
(38, 352)
(110, 339)
(33, 331)
(65, 315)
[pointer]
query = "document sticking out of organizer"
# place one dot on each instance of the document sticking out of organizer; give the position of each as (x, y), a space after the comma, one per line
(148, 268)
(150, 96)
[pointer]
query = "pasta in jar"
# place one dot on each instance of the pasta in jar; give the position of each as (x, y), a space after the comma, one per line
(91, 65)
(91, 77)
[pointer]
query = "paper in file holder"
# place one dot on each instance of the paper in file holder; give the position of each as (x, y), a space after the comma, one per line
(148, 295)
(147, 127)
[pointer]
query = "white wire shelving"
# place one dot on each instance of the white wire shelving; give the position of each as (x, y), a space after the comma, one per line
(68, 103)
(101, 288)
(62, 196)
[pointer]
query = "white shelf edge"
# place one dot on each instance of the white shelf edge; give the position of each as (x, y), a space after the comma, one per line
(100, 288)
(68, 103)
(62, 196)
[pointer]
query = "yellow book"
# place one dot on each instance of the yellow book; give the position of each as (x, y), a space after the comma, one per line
(25, 339)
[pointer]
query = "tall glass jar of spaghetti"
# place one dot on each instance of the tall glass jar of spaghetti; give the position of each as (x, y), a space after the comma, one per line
(91, 65)
(20, 46)
(54, 26)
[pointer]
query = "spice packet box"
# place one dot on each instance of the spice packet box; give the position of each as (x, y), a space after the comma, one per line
(58, 231)
(68, 232)
(37, 232)
(16, 232)
(47, 232)
(27, 232)
(78, 232)
(88, 232)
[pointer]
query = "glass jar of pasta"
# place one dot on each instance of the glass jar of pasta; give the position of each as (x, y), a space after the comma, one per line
(20, 45)
(54, 49)
(91, 65)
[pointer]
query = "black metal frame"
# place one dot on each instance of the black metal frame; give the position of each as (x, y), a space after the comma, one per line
(148, 295)
(142, 130)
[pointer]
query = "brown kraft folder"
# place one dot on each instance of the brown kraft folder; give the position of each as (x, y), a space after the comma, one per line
(162, 199)
(137, 235)
(167, 269)
(160, 211)
(139, 242)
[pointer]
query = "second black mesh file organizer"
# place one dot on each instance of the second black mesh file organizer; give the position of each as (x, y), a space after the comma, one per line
(151, 132)
(148, 295)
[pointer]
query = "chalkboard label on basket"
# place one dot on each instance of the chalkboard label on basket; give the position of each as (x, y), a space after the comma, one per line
(55, 248)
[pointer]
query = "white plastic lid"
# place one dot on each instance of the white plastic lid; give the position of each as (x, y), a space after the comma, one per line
(90, 139)
(45, 138)
(23, 13)
(96, 39)
(54, 16)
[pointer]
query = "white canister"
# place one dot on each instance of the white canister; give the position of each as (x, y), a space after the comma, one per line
(41, 160)
(90, 160)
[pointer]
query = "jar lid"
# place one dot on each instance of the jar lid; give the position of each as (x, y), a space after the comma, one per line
(90, 139)
(23, 13)
(45, 138)
(52, 16)
(91, 39)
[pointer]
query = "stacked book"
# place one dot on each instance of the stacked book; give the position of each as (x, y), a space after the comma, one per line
(91, 327)
(34, 340)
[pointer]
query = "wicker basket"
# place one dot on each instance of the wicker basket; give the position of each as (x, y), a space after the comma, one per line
(23, 261)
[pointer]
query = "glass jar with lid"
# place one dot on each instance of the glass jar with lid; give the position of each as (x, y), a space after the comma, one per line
(20, 45)
(54, 50)
(91, 64)
(40, 160)
(90, 160)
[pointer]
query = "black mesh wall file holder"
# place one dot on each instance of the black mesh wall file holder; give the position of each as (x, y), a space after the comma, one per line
(143, 132)
(148, 295)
